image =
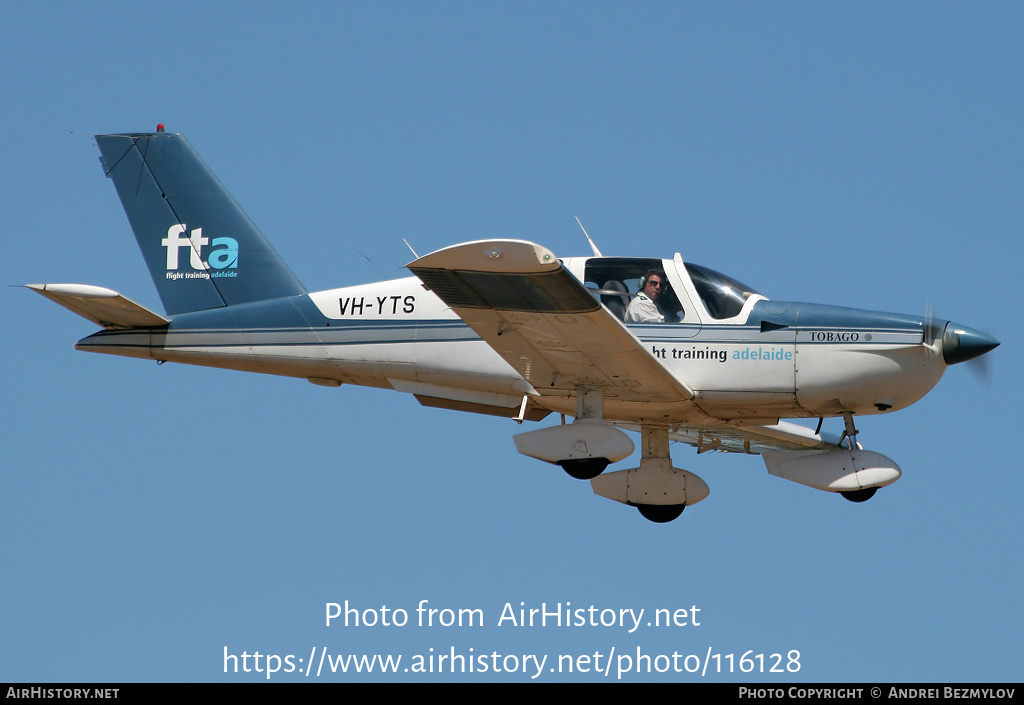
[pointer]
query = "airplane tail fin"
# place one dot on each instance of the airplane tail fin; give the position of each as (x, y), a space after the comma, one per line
(201, 248)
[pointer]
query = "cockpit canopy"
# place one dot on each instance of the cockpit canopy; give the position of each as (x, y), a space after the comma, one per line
(722, 296)
(614, 280)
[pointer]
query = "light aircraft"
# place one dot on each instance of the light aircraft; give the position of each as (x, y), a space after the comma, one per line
(504, 327)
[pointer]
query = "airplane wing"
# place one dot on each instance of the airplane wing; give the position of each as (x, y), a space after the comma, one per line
(103, 307)
(519, 298)
(731, 438)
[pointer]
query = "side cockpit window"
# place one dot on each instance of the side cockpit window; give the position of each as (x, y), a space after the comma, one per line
(616, 281)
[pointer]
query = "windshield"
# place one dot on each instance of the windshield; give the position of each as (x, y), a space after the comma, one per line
(723, 296)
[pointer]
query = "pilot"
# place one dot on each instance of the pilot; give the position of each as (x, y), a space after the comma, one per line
(643, 309)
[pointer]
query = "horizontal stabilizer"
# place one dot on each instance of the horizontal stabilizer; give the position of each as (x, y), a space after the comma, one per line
(103, 307)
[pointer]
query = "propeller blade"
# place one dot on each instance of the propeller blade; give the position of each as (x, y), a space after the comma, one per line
(961, 344)
(932, 327)
(981, 367)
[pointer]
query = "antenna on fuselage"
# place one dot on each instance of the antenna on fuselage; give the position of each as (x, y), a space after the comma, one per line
(597, 252)
(410, 248)
(372, 262)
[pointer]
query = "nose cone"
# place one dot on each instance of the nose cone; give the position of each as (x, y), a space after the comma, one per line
(960, 343)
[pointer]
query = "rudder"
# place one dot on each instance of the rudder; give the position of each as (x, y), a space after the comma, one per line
(201, 248)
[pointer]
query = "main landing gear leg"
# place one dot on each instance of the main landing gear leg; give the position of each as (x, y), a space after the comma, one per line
(659, 491)
(589, 406)
(655, 456)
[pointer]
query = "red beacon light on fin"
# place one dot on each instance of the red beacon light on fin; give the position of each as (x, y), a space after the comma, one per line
(160, 127)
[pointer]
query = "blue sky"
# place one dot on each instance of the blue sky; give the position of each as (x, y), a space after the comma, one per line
(856, 154)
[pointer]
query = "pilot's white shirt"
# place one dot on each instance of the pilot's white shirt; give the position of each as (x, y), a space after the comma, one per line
(642, 310)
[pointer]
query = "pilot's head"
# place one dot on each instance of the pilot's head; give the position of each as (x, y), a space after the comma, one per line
(653, 284)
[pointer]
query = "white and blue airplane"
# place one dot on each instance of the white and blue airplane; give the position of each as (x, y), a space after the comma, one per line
(504, 327)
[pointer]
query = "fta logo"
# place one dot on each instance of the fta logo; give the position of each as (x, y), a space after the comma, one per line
(223, 256)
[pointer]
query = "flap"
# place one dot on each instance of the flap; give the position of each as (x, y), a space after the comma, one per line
(730, 438)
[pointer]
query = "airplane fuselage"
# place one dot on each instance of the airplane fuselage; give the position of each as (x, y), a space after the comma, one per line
(772, 360)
